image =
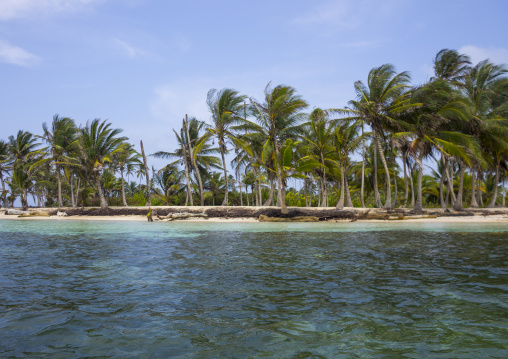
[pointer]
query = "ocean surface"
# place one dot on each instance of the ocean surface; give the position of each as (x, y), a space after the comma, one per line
(91, 289)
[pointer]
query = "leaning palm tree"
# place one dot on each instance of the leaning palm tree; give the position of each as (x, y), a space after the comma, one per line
(378, 105)
(60, 139)
(98, 143)
(279, 117)
(225, 107)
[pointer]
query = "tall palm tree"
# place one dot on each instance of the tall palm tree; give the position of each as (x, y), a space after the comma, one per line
(279, 116)
(124, 159)
(378, 105)
(98, 143)
(5, 167)
(225, 107)
(486, 88)
(60, 139)
(24, 152)
(317, 136)
(436, 108)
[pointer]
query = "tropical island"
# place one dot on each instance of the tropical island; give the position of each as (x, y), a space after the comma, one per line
(396, 149)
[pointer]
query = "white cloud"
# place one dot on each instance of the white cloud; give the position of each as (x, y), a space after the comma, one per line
(15, 55)
(13, 9)
(131, 51)
(497, 55)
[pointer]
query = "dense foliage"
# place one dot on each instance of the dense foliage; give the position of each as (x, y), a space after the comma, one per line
(370, 153)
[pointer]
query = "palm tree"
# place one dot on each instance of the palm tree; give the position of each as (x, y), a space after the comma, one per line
(450, 66)
(487, 89)
(318, 135)
(60, 139)
(24, 153)
(225, 108)
(279, 117)
(435, 107)
(124, 159)
(98, 143)
(5, 167)
(377, 105)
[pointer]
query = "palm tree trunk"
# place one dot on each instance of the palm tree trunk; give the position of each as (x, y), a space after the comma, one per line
(225, 202)
(241, 194)
(458, 203)
(504, 193)
(259, 188)
(474, 204)
(412, 188)
(4, 192)
(272, 190)
(189, 191)
(441, 185)
(104, 204)
(395, 189)
(388, 203)
(406, 184)
(362, 200)
(58, 176)
(196, 169)
(305, 192)
(77, 191)
(281, 194)
(479, 188)
(419, 161)
(71, 180)
(376, 189)
(24, 199)
(492, 202)
(450, 184)
(147, 195)
(340, 202)
(123, 189)
(349, 202)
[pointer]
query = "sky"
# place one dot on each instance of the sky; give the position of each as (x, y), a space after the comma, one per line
(144, 64)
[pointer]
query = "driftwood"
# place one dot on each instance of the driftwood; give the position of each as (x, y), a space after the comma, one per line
(263, 218)
(16, 212)
(175, 216)
(401, 217)
(34, 214)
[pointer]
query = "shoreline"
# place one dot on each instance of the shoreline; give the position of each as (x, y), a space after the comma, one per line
(251, 214)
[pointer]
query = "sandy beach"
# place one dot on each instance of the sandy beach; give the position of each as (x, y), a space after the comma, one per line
(234, 214)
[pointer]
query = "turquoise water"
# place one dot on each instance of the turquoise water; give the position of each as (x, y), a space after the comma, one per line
(253, 290)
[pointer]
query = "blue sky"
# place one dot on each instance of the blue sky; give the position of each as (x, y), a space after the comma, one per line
(144, 64)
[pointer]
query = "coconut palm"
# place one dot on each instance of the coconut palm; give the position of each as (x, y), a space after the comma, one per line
(225, 107)
(451, 66)
(5, 167)
(60, 139)
(279, 117)
(378, 104)
(125, 159)
(98, 144)
(24, 152)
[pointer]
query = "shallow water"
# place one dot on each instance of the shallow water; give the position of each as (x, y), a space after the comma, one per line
(253, 290)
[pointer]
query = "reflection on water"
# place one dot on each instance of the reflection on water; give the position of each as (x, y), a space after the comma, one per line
(193, 290)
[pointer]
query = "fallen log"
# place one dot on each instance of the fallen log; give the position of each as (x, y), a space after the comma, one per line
(175, 216)
(263, 218)
(16, 212)
(34, 214)
(402, 217)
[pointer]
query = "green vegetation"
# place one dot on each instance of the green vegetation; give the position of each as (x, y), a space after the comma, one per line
(374, 152)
